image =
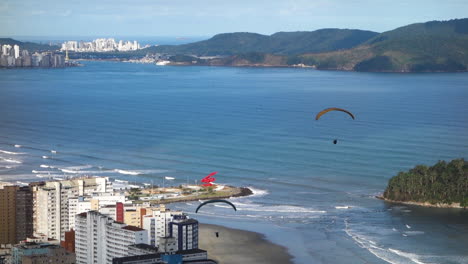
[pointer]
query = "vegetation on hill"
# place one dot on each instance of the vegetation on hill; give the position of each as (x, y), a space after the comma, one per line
(445, 183)
(281, 43)
(423, 47)
(30, 46)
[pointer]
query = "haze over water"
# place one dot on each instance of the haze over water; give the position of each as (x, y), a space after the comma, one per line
(256, 127)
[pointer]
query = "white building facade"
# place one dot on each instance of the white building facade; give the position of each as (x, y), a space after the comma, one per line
(51, 214)
(157, 224)
(99, 239)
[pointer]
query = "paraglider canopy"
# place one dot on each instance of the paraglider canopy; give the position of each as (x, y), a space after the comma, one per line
(317, 117)
(216, 201)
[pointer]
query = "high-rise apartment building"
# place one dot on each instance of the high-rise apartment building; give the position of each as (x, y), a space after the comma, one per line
(16, 216)
(8, 215)
(99, 239)
(157, 224)
(51, 203)
(16, 51)
(185, 231)
(24, 213)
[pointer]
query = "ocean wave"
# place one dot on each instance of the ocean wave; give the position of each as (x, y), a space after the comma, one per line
(82, 167)
(45, 157)
(413, 233)
(18, 146)
(139, 172)
(387, 254)
(69, 171)
(11, 160)
(257, 192)
(413, 257)
(53, 151)
(127, 172)
(343, 207)
(44, 166)
(275, 208)
(11, 153)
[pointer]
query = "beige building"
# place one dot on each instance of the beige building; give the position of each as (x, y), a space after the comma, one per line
(8, 215)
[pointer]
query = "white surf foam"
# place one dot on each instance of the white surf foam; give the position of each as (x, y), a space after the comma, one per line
(69, 171)
(257, 192)
(11, 160)
(139, 172)
(10, 153)
(275, 208)
(45, 157)
(53, 151)
(413, 257)
(387, 254)
(44, 166)
(127, 172)
(18, 146)
(408, 226)
(342, 207)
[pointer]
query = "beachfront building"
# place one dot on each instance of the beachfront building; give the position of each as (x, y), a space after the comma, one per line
(16, 216)
(32, 253)
(94, 202)
(157, 224)
(99, 239)
(51, 203)
(185, 231)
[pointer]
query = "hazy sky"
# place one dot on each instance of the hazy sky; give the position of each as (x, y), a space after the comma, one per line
(208, 17)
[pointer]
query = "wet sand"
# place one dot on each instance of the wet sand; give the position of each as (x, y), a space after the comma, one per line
(235, 246)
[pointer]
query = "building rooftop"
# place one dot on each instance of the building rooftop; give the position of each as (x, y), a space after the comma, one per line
(144, 246)
(132, 228)
(191, 251)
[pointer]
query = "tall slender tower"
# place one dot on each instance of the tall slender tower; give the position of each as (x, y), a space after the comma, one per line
(66, 55)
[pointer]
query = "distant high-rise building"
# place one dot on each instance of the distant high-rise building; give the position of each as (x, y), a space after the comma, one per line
(99, 239)
(6, 50)
(16, 51)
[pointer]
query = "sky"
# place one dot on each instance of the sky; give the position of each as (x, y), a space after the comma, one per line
(209, 17)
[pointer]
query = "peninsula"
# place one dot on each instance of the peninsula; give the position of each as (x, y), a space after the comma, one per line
(442, 185)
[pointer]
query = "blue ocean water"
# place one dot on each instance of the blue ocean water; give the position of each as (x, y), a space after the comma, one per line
(256, 127)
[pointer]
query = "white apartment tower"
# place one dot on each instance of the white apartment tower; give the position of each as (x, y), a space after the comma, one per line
(157, 224)
(16, 50)
(99, 239)
(51, 203)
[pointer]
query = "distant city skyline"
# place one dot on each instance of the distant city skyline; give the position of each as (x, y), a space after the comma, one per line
(209, 17)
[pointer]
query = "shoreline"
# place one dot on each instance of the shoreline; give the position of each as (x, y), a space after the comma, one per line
(259, 65)
(235, 246)
(423, 204)
(244, 191)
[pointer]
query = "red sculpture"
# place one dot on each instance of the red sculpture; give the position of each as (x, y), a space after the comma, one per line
(209, 179)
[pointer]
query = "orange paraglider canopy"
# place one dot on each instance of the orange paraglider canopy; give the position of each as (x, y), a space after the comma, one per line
(332, 109)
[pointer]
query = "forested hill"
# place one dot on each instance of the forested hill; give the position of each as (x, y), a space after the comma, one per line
(445, 183)
(282, 43)
(30, 46)
(431, 46)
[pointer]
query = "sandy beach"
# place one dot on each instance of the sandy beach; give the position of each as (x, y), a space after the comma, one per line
(235, 246)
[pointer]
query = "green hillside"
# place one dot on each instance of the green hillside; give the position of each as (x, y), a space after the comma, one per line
(431, 46)
(30, 46)
(281, 43)
(442, 183)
